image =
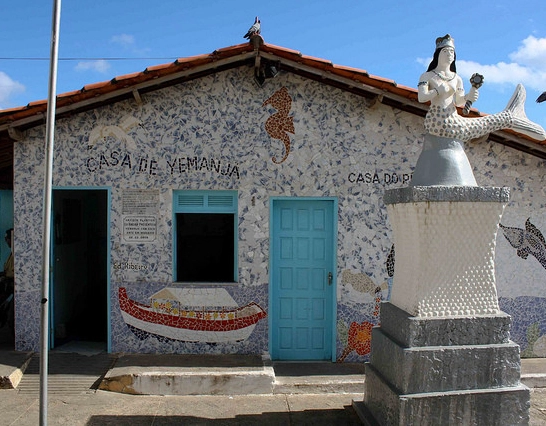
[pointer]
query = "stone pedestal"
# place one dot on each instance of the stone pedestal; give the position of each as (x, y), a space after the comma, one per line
(443, 371)
(442, 354)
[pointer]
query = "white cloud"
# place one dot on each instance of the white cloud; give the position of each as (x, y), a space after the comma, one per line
(128, 42)
(532, 53)
(125, 40)
(8, 88)
(99, 65)
(499, 73)
(424, 61)
(528, 66)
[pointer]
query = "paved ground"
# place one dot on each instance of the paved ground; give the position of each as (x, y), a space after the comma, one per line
(94, 408)
(107, 408)
(318, 405)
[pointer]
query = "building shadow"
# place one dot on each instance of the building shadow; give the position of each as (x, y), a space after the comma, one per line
(339, 417)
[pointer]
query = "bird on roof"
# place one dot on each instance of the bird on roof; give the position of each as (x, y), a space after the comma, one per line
(254, 29)
(542, 97)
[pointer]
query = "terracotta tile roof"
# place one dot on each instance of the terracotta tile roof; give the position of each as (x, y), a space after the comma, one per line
(155, 77)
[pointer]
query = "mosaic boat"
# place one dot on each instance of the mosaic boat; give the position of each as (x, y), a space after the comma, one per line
(168, 317)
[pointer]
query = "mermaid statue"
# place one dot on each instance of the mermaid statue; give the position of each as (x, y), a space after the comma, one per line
(443, 161)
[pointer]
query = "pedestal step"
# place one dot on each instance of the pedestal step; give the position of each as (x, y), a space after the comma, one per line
(383, 405)
(412, 331)
(443, 371)
(444, 368)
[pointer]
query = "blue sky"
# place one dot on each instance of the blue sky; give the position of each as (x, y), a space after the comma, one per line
(503, 40)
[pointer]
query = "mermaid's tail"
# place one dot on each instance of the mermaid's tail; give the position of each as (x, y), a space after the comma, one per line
(519, 121)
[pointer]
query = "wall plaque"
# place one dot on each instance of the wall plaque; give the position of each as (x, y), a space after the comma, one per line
(140, 208)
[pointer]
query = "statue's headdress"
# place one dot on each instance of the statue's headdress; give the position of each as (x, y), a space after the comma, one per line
(445, 41)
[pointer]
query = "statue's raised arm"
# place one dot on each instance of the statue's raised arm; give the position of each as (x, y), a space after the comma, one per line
(443, 88)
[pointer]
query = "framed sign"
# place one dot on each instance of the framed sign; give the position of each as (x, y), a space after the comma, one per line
(140, 208)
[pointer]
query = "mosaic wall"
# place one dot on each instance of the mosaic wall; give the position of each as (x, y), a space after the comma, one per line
(292, 137)
(520, 271)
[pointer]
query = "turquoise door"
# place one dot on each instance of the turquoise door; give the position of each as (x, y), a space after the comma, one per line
(302, 279)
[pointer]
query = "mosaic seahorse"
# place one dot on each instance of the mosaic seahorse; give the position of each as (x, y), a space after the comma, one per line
(280, 124)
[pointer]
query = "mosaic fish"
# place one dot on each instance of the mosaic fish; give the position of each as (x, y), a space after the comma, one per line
(390, 262)
(361, 282)
(528, 241)
(119, 132)
(360, 334)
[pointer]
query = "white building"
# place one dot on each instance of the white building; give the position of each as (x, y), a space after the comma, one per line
(208, 206)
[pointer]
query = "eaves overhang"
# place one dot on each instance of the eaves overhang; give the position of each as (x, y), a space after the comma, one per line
(126, 86)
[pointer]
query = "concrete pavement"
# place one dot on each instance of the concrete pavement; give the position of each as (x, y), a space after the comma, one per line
(102, 408)
(301, 393)
(201, 390)
(107, 408)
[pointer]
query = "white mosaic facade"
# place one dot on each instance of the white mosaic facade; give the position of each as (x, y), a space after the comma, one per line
(341, 147)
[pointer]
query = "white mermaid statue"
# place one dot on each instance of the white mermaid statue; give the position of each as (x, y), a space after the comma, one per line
(443, 161)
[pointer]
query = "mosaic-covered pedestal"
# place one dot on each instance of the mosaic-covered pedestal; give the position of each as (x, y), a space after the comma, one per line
(442, 354)
(444, 239)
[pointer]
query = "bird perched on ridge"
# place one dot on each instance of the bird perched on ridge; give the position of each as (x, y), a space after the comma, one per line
(254, 29)
(542, 97)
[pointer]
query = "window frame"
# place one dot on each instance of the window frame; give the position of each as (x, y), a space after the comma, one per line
(205, 201)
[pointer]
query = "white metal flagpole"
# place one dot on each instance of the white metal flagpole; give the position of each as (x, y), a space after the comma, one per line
(46, 236)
